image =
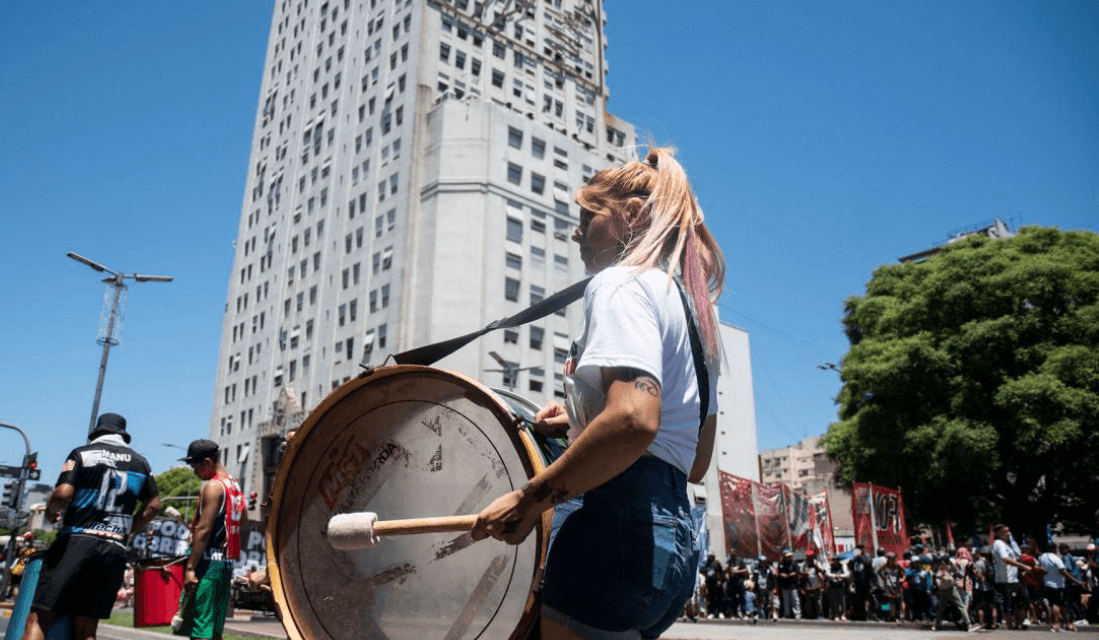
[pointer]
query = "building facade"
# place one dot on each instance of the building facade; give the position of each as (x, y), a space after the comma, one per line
(410, 179)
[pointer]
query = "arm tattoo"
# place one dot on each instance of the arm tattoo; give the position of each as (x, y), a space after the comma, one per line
(538, 493)
(641, 380)
(555, 495)
(648, 385)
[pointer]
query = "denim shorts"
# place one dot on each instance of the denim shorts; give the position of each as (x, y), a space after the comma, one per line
(621, 563)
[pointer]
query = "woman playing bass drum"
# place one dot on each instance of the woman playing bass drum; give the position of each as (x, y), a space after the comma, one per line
(622, 562)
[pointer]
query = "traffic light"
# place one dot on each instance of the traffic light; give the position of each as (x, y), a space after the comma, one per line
(9, 490)
(30, 463)
(252, 500)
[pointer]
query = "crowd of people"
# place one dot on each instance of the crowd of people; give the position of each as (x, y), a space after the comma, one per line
(1003, 584)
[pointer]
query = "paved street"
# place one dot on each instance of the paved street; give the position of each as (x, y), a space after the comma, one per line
(706, 630)
(827, 630)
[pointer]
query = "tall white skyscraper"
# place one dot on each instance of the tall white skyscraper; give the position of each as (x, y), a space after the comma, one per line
(411, 179)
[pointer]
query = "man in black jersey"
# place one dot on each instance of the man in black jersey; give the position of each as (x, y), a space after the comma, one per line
(100, 485)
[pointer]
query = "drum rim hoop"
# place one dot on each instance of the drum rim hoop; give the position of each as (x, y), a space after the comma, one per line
(282, 606)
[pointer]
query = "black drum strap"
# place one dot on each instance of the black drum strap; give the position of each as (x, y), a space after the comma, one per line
(702, 374)
(432, 353)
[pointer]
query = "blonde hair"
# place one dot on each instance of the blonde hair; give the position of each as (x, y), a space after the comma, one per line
(668, 231)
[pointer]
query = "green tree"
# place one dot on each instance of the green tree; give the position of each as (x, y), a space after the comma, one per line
(972, 382)
(179, 483)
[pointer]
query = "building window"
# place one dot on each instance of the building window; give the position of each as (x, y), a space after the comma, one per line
(537, 148)
(515, 230)
(511, 336)
(511, 289)
(498, 78)
(537, 294)
(515, 173)
(515, 137)
(537, 183)
(513, 261)
(537, 334)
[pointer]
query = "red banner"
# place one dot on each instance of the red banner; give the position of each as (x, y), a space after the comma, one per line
(771, 518)
(879, 517)
(738, 516)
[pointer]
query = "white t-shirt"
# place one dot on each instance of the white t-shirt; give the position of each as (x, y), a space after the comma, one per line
(1053, 565)
(1005, 573)
(637, 321)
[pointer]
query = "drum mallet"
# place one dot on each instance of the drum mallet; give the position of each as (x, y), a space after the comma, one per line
(352, 531)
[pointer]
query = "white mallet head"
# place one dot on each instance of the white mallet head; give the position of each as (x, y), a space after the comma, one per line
(352, 531)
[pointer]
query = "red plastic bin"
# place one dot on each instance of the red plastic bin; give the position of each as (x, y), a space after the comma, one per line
(156, 593)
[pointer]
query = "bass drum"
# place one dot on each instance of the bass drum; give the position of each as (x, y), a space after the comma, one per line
(406, 442)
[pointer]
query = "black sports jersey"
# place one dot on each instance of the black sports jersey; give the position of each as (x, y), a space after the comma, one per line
(109, 481)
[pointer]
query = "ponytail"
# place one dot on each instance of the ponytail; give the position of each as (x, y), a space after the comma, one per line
(669, 231)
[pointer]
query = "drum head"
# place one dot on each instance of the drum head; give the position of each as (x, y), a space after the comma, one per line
(403, 442)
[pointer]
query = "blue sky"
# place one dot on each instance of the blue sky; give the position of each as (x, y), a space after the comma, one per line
(824, 139)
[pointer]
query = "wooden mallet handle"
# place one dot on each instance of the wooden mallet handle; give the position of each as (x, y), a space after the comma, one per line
(351, 531)
(424, 525)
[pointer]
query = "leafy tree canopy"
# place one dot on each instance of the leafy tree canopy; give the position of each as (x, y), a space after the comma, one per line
(972, 382)
(179, 483)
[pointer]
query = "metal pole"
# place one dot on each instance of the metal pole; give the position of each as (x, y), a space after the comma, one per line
(116, 282)
(10, 551)
(873, 519)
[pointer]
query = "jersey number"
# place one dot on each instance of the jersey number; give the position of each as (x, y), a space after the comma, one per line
(114, 483)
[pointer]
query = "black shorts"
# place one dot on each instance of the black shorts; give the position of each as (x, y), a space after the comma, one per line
(1055, 596)
(81, 576)
(1013, 596)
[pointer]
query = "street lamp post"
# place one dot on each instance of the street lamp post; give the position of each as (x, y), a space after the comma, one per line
(117, 283)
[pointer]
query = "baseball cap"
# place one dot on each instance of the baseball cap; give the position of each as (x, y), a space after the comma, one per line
(200, 449)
